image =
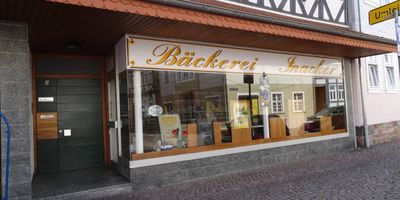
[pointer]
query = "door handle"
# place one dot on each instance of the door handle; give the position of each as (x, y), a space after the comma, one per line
(65, 132)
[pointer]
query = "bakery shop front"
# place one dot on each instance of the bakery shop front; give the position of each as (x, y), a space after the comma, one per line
(181, 101)
(171, 91)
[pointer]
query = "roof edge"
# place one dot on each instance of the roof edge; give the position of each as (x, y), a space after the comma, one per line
(273, 20)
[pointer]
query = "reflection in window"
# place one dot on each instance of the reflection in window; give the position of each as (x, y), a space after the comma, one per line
(166, 77)
(277, 102)
(206, 111)
(184, 76)
(340, 92)
(332, 92)
(298, 101)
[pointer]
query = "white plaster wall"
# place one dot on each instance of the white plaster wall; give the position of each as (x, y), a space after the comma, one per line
(383, 29)
(381, 104)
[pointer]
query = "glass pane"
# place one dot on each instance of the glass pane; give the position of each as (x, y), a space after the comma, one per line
(205, 111)
(390, 77)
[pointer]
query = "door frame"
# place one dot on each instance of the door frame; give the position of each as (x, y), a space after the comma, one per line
(104, 89)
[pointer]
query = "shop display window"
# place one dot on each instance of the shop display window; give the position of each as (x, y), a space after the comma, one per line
(187, 112)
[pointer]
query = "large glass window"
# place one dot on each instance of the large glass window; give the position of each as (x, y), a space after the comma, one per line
(186, 112)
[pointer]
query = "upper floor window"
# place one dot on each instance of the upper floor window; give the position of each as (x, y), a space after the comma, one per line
(373, 76)
(371, 59)
(388, 59)
(390, 79)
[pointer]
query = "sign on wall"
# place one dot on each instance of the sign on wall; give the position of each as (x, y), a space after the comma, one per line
(383, 13)
(161, 54)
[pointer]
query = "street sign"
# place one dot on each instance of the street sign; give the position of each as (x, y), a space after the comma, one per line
(383, 13)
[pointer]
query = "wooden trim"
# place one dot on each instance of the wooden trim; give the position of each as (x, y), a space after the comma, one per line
(192, 135)
(82, 76)
(111, 75)
(197, 149)
(47, 126)
(33, 60)
(106, 135)
(78, 57)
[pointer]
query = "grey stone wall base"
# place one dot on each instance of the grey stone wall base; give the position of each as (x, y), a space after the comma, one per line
(15, 102)
(172, 173)
(123, 167)
(379, 133)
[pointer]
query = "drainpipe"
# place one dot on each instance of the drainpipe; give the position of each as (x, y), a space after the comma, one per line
(364, 113)
(269, 19)
(358, 27)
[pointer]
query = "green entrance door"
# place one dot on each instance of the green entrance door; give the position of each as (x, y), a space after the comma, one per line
(69, 119)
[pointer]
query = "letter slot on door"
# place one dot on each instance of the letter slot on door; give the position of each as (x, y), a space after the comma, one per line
(47, 145)
(46, 126)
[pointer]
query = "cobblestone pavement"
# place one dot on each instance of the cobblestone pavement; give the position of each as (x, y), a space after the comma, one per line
(360, 174)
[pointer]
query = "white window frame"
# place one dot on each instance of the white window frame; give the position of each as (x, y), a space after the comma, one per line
(191, 77)
(294, 102)
(340, 91)
(282, 102)
(378, 76)
(390, 61)
(388, 88)
(332, 92)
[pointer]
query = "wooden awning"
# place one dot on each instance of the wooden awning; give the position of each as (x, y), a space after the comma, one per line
(98, 24)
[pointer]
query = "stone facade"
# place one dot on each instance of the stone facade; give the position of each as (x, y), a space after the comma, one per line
(380, 133)
(16, 101)
(178, 172)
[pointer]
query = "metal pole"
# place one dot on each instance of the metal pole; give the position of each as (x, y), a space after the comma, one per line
(364, 113)
(396, 19)
(1, 177)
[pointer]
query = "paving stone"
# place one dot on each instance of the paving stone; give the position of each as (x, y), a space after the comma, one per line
(360, 174)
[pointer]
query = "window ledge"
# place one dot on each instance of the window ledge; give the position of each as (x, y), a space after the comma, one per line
(375, 90)
(392, 91)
